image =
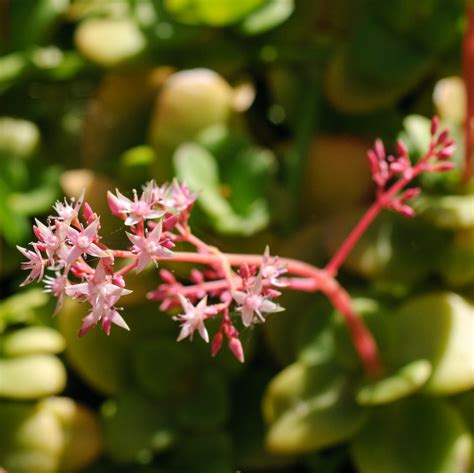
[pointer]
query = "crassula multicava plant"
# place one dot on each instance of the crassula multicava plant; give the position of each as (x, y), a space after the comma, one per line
(238, 289)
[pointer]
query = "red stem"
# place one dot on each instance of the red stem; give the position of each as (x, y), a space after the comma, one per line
(341, 254)
(312, 279)
(468, 71)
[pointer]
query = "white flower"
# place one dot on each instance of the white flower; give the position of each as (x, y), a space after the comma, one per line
(193, 319)
(253, 305)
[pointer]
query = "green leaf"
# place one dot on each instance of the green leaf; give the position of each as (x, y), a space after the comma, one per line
(20, 308)
(31, 340)
(135, 427)
(31, 21)
(438, 327)
(404, 382)
(99, 360)
(198, 168)
(18, 138)
(30, 377)
(211, 12)
(310, 407)
(419, 435)
(208, 452)
(451, 212)
(270, 15)
(31, 438)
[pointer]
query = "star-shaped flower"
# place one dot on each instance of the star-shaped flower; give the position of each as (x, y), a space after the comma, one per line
(35, 264)
(149, 247)
(253, 305)
(192, 319)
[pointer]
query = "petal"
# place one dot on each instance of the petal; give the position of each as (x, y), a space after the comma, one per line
(185, 332)
(270, 307)
(142, 262)
(118, 320)
(203, 332)
(91, 231)
(155, 234)
(240, 297)
(247, 316)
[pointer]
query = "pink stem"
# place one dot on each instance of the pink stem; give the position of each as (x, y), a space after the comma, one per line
(340, 256)
(312, 280)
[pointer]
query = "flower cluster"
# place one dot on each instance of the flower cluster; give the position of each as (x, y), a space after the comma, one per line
(240, 289)
(386, 168)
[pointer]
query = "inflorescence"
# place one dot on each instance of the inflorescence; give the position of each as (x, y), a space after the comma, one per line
(230, 286)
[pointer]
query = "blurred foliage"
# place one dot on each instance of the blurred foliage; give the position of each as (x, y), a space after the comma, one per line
(265, 107)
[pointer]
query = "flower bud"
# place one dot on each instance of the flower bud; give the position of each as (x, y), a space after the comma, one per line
(115, 206)
(402, 148)
(236, 348)
(216, 343)
(434, 125)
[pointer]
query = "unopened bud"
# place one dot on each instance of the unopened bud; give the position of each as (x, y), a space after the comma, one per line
(402, 148)
(118, 280)
(379, 149)
(236, 348)
(434, 125)
(411, 193)
(115, 206)
(88, 213)
(447, 152)
(443, 136)
(216, 343)
(170, 222)
(167, 276)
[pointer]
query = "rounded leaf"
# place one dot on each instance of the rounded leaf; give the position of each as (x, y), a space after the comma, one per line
(109, 42)
(30, 377)
(404, 382)
(418, 435)
(310, 407)
(31, 439)
(31, 340)
(438, 327)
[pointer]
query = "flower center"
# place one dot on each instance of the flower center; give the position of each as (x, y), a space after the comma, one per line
(254, 301)
(83, 242)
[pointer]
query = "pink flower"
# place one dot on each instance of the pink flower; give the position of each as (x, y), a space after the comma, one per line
(271, 270)
(193, 319)
(138, 209)
(35, 263)
(83, 242)
(57, 287)
(253, 305)
(149, 247)
(178, 196)
(49, 237)
(102, 295)
(68, 212)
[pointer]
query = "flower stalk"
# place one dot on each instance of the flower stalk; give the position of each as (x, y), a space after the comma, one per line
(241, 289)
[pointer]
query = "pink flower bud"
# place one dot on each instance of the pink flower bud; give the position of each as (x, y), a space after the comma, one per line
(167, 276)
(443, 167)
(379, 149)
(443, 136)
(402, 148)
(116, 207)
(196, 276)
(272, 293)
(411, 193)
(446, 152)
(216, 343)
(170, 222)
(434, 125)
(236, 348)
(118, 280)
(88, 213)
